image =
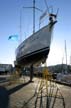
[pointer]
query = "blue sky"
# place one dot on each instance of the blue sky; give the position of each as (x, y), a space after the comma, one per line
(10, 24)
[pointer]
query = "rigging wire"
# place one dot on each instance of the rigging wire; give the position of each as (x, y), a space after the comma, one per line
(46, 6)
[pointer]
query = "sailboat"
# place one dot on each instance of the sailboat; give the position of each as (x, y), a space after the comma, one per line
(35, 48)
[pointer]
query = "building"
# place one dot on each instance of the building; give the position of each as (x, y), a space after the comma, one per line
(5, 68)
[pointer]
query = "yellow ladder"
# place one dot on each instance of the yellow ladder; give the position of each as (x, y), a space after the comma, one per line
(43, 83)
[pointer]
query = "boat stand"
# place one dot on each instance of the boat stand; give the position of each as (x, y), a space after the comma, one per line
(47, 92)
(31, 72)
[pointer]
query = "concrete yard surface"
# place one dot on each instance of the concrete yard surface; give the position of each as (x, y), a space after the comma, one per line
(30, 95)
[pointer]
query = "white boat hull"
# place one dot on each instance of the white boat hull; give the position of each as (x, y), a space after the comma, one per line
(36, 47)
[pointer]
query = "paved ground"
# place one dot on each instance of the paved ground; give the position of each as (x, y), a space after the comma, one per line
(66, 92)
(25, 95)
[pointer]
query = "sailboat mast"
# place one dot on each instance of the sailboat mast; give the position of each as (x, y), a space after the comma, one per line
(33, 16)
(20, 26)
(66, 52)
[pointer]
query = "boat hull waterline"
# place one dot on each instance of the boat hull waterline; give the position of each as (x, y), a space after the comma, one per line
(35, 48)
